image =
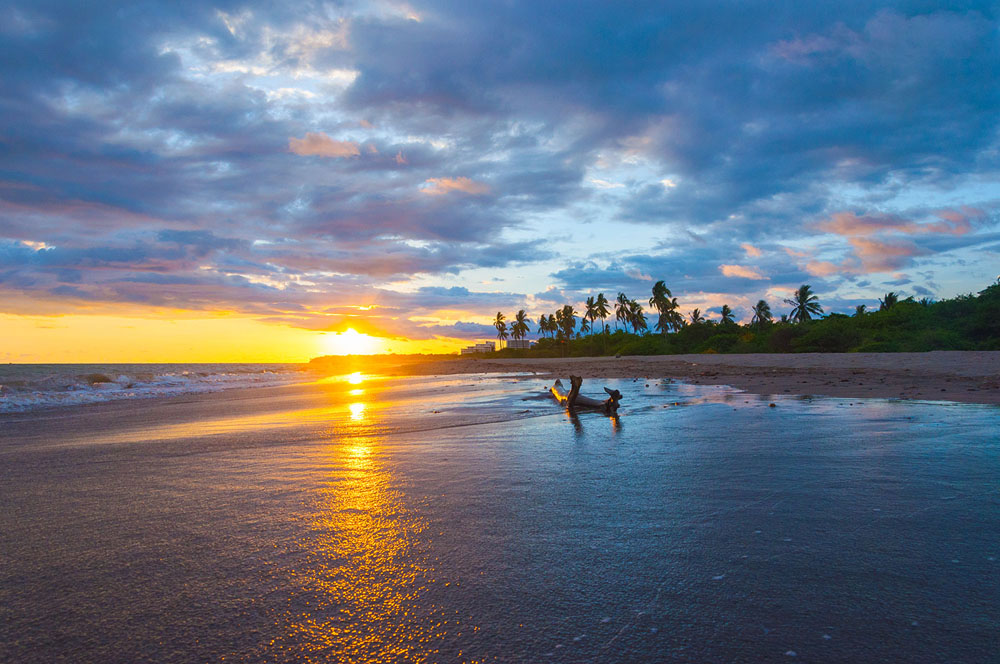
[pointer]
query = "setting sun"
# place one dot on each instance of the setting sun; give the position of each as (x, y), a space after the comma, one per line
(351, 342)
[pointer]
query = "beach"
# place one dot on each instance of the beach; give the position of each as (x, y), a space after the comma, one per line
(960, 376)
(469, 518)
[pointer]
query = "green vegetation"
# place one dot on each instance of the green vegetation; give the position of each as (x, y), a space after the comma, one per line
(967, 322)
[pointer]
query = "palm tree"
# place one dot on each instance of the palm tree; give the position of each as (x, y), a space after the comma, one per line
(662, 324)
(727, 315)
(859, 310)
(674, 317)
(696, 317)
(636, 317)
(602, 310)
(567, 321)
(501, 327)
(621, 310)
(661, 302)
(805, 305)
(520, 327)
(543, 324)
(551, 326)
(761, 314)
(891, 298)
(590, 313)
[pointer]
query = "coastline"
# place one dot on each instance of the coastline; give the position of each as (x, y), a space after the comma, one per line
(959, 376)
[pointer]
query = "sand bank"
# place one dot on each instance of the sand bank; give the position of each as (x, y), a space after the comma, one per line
(963, 376)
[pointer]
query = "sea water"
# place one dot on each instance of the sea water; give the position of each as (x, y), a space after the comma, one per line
(29, 387)
(469, 518)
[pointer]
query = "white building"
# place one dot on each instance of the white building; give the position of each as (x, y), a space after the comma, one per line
(522, 344)
(484, 347)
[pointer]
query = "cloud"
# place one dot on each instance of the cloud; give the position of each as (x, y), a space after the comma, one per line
(742, 272)
(321, 145)
(156, 161)
(438, 186)
(869, 256)
(951, 222)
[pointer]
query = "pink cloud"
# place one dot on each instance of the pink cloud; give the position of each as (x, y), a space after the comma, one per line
(752, 251)
(824, 268)
(741, 271)
(851, 225)
(321, 145)
(878, 256)
(439, 186)
(869, 256)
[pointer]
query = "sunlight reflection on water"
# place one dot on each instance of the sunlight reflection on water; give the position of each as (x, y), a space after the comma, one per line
(367, 573)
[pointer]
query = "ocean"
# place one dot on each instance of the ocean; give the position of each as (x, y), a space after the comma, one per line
(470, 519)
(28, 387)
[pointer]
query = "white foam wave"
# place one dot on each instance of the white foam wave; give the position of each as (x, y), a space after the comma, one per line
(32, 387)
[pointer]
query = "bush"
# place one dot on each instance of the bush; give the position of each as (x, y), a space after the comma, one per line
(833, 335)
(719, 343)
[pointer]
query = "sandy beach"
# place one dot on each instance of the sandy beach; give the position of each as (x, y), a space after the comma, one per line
(960, 376)
(469, 518)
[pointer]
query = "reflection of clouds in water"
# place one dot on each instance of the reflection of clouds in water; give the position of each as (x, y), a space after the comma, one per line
(365, 580)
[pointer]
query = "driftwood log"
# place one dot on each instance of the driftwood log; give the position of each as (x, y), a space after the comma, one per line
(573, 398)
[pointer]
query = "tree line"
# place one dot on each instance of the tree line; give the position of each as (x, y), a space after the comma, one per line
(898, 324)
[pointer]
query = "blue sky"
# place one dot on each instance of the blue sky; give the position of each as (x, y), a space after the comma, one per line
(408, 169)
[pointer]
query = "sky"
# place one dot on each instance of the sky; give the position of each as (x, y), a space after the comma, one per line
(248, 181)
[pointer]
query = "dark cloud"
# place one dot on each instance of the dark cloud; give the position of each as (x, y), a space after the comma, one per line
(160, 153)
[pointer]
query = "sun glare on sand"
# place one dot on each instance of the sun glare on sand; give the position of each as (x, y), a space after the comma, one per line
(351, 342)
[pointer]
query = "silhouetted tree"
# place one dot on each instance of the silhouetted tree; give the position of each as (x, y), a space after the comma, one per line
(889, 301)
(636, 317)
(520, 327)
(602, 310)
(621, 310)
(761, 314)
(590, 312)
(727, 315)
(805, 305)
(501, 327)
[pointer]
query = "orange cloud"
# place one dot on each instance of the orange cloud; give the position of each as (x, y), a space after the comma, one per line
(321, 145)
(752, 251)
(438, 186)
(883, 256)
(741, 271)
(869, 256)
(823, 268)
(851, 225)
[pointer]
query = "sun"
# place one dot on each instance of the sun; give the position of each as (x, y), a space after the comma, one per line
(351, 342)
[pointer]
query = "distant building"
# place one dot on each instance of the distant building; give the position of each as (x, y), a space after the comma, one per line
(522, 344)
(484, 347)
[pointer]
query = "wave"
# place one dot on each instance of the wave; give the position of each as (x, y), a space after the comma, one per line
(28, 387)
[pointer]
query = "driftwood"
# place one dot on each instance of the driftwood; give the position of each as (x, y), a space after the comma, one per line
(573, 398)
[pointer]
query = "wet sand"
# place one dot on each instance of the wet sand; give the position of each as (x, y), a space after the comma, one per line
(469, 518)
(959, 376)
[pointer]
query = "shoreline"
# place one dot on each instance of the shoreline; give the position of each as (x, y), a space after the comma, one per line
(952, 376)
(959, 376)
